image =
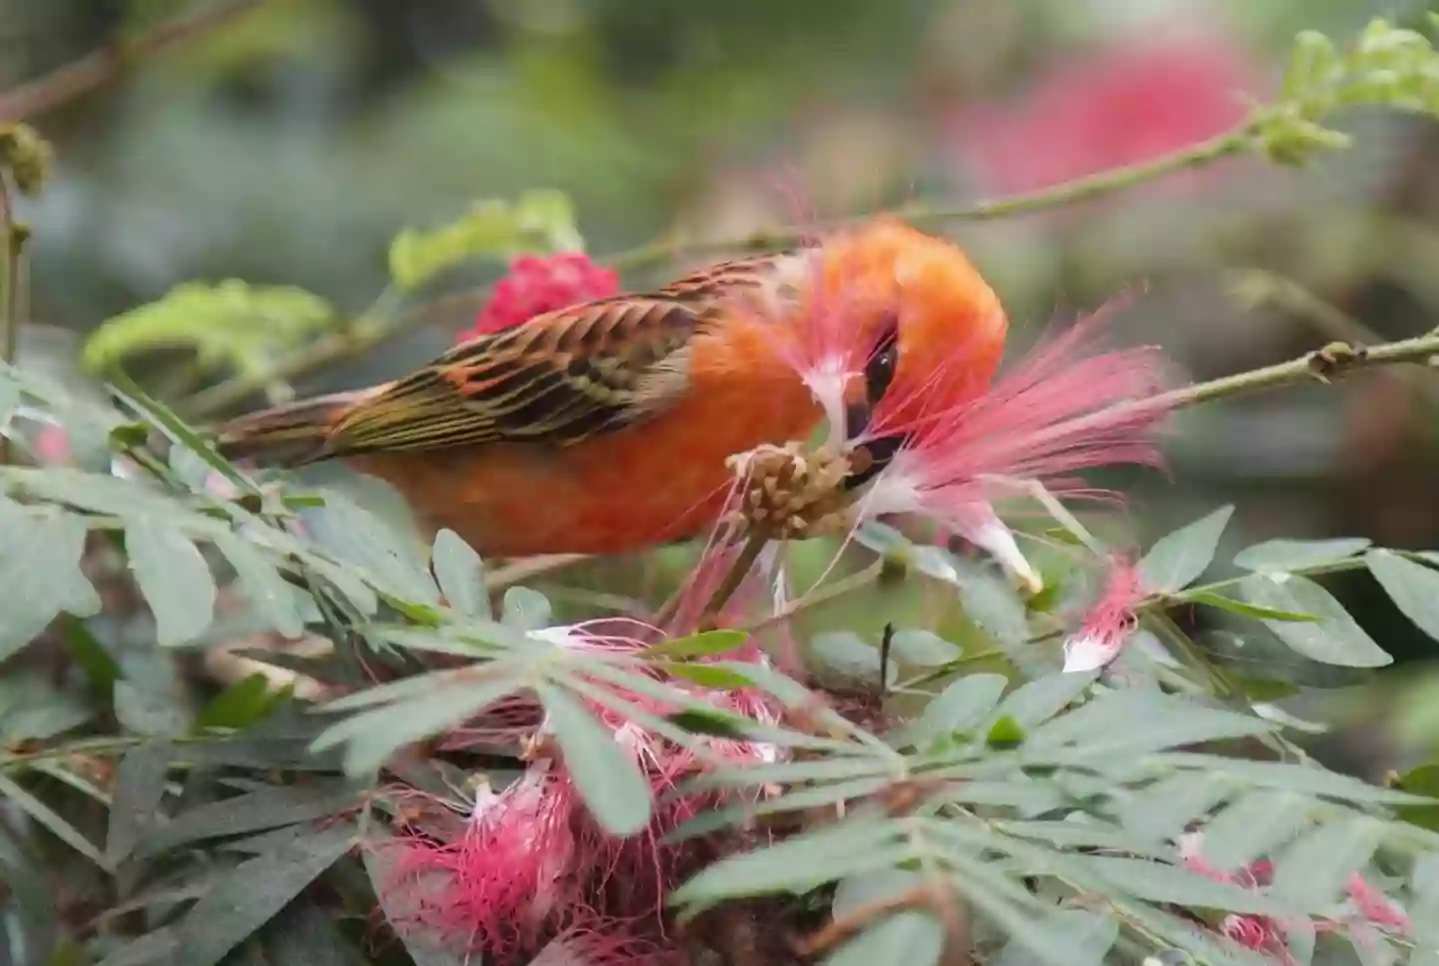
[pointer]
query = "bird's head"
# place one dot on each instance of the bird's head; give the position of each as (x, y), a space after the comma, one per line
(918, 320)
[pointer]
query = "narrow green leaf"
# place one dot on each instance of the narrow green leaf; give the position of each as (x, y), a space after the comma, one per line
(1163, 810)
(270, 594)
(175, 429)
(609, 779)
(361, 538)
(963, 704)
(40, 571)
(1248, 610)
(48, 817)
(845, 656)
(1335, 639)
(797, 864)
(706, 675)
(703, 644)
(31, 907)
(259, 889)
(402, 895)
(265, 808)
(306, 935)
(174, 578)
(1311, 872)
(1177, 559)
(923, 648)
(372, 737)
(911, 937)
(100, 668)
(525, 609)
(1423, 780)
(1157, 882)
(1283, 556)
(461, 575)
(1105, 727)
(139, 787)
(1085, 938)
(1035, 702)
(1413, 587)
(238, 706)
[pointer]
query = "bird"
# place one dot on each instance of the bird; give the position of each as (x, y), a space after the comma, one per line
(604, 428)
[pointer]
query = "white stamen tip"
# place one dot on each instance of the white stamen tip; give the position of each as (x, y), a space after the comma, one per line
(995, 537)
(1087, 652)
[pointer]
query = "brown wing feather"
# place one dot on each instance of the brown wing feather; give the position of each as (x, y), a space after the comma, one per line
(558, 379)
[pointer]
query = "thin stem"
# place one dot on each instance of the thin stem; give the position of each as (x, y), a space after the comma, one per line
(109, 63)
(377, 327)
(1322, 365)
(819, 595)
(753, 546)
(10, 294)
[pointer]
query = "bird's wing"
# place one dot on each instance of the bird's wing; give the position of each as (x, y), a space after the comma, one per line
(557, 379)
(561, 377)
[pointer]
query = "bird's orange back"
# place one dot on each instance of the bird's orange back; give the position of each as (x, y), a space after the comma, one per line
(655, 471)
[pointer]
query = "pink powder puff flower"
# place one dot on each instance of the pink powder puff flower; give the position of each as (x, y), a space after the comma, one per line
(532, 862)
(1109, 622)
(1110, 108)
(539, 284)
(1374, 907)
(1066, 407)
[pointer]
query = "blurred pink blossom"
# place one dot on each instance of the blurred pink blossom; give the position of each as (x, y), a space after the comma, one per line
(1109, 623)
(1109, 108)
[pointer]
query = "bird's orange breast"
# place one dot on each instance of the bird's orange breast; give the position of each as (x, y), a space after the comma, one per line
(658, 480)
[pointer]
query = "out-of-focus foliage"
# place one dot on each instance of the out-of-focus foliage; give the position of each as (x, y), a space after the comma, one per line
(221, 696)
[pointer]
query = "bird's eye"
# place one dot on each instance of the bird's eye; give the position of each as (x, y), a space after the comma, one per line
(879, 371)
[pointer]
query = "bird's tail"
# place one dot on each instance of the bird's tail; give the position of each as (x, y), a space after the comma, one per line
(291, 434)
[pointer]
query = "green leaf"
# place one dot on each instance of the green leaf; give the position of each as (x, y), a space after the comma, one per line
(609, 779)
(265, 808)
(707, 676)
(1005, 733)
(1105, 728)
(703, 644)
(542, 221)
(273, 598)
(963, 704)
(1413, 587)
(305, 935)
(229, 324)
(1289, 555)
(911, 937)
(1423, 780)
(101, 670)
(1248, 610)
(44, 815)
(31, 912)
(1039, 700)
(1157, 882)
(40, 570)
(1335, 639)
(238, 706)
(181, 435)
(1084, 937)
(401, 905)
(139, 787)
(232, 912)
(797, 864)
(711, 721)
(525, 609)
(1162, 810)
(1311, 871)
(1179, 558)
(358, 537)
(31, 708)
(174, 578)
(846, 656)
(371, 737)
(923, 648)
(461, 575)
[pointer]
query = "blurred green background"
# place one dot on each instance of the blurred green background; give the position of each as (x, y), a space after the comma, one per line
(291, 145)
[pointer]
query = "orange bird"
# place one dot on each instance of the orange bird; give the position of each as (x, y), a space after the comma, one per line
(604, 427)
